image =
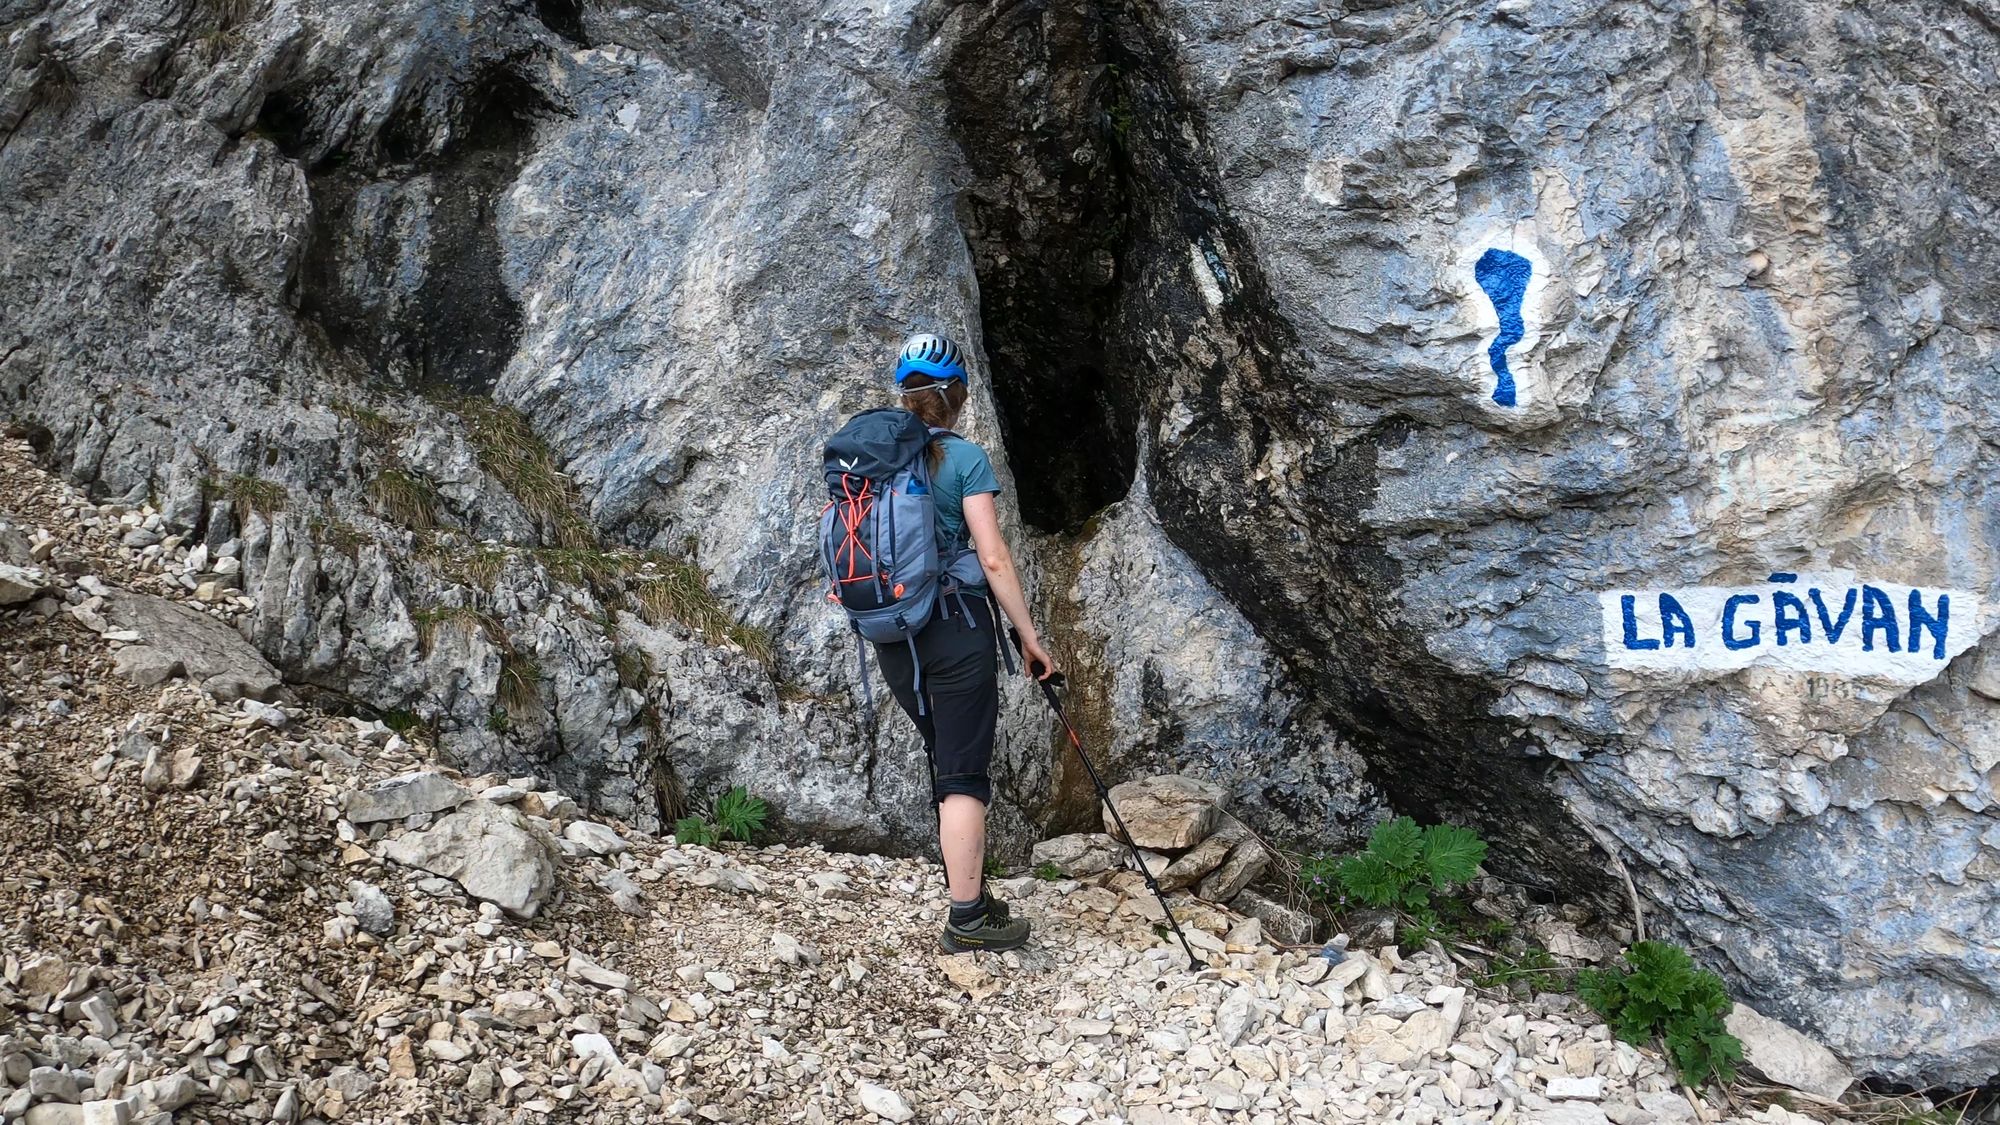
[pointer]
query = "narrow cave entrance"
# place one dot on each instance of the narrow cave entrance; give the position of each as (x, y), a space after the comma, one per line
(1047, 219)
(1131, 331)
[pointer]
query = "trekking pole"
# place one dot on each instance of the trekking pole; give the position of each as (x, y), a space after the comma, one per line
(1049, 686)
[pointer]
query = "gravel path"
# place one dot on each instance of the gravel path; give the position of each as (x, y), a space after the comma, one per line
(195, 928)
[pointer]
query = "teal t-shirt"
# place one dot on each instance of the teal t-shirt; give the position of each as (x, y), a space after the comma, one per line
(964, 472)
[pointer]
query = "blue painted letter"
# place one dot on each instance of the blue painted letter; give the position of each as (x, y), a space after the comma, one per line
(1788, 614)
(1920, 620)
(1729, 640)
(1878, 615)
(1504, 276)
(1674, 620)
(1632, 625)
(1832, 628)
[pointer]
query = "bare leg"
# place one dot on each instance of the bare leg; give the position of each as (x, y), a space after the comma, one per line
(962, 839)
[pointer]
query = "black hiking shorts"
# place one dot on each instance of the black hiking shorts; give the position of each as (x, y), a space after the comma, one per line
(961, 693)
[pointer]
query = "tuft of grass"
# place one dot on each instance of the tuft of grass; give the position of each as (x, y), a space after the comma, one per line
(993, 868)
(635, 669)
(475, 565)
(508, 447)
(253, 494)
(677, 590)
(601, 571)
(520, 683)
(430, 618)
(337, 533)
(1048, 872)
(55, 83)
(1535, 969)
(405, 498)
(373, 424)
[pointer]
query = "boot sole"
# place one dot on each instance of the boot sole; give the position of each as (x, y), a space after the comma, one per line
(952, 943)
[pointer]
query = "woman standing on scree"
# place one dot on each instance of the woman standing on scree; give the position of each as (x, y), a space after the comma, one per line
(960, 684)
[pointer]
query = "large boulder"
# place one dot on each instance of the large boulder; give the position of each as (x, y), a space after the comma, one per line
(1786, 1057)
(493, 852)
(1164, 813)
(424, 791)
(210, 652)
(1081, 853)
(20, 583)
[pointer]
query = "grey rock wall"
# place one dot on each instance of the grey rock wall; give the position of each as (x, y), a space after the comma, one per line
(1223, 265)
(1760, 341)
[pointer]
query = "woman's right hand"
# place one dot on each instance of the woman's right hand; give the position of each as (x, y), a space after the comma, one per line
(1035, 660)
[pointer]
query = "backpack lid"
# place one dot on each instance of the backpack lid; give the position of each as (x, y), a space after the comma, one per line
(876, 444)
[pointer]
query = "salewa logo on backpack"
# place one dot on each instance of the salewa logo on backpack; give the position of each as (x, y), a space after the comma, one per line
(878, 531)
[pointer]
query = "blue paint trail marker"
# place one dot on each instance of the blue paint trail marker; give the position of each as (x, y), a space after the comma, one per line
(1504, 275)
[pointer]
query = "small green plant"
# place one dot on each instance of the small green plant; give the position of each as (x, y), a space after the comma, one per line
(1662, 994)
(695, 830)
(994, 868)
(1048, 872)
(1402, 865)
(736, 815)
(739, 815)
(1319, 879)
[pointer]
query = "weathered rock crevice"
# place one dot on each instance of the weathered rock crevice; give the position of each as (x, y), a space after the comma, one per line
(1125, 316)
(402, 269)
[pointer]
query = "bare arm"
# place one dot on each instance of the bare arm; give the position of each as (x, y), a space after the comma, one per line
(982, 519)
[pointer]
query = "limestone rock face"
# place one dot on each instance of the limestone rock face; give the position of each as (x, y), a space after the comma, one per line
(1504, 315)
(1347, 368)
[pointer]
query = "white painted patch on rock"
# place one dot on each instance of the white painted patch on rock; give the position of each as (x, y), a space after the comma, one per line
(1829, 623)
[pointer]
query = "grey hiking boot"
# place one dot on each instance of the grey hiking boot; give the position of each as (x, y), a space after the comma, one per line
(997, 930)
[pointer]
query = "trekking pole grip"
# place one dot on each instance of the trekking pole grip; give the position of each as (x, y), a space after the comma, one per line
(1049, 683)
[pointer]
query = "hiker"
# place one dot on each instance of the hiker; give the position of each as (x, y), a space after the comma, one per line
(940, 665)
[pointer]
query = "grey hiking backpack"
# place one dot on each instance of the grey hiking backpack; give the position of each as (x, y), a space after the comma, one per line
(878, 534)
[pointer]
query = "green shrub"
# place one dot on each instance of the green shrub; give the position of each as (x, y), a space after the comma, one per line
(1048, 872)
(739, 815)
(994, 868)
(1400, 868)
(1662, 994)
(694, 830)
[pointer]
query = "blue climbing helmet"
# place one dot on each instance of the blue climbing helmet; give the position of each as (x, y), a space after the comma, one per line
(930, 354)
